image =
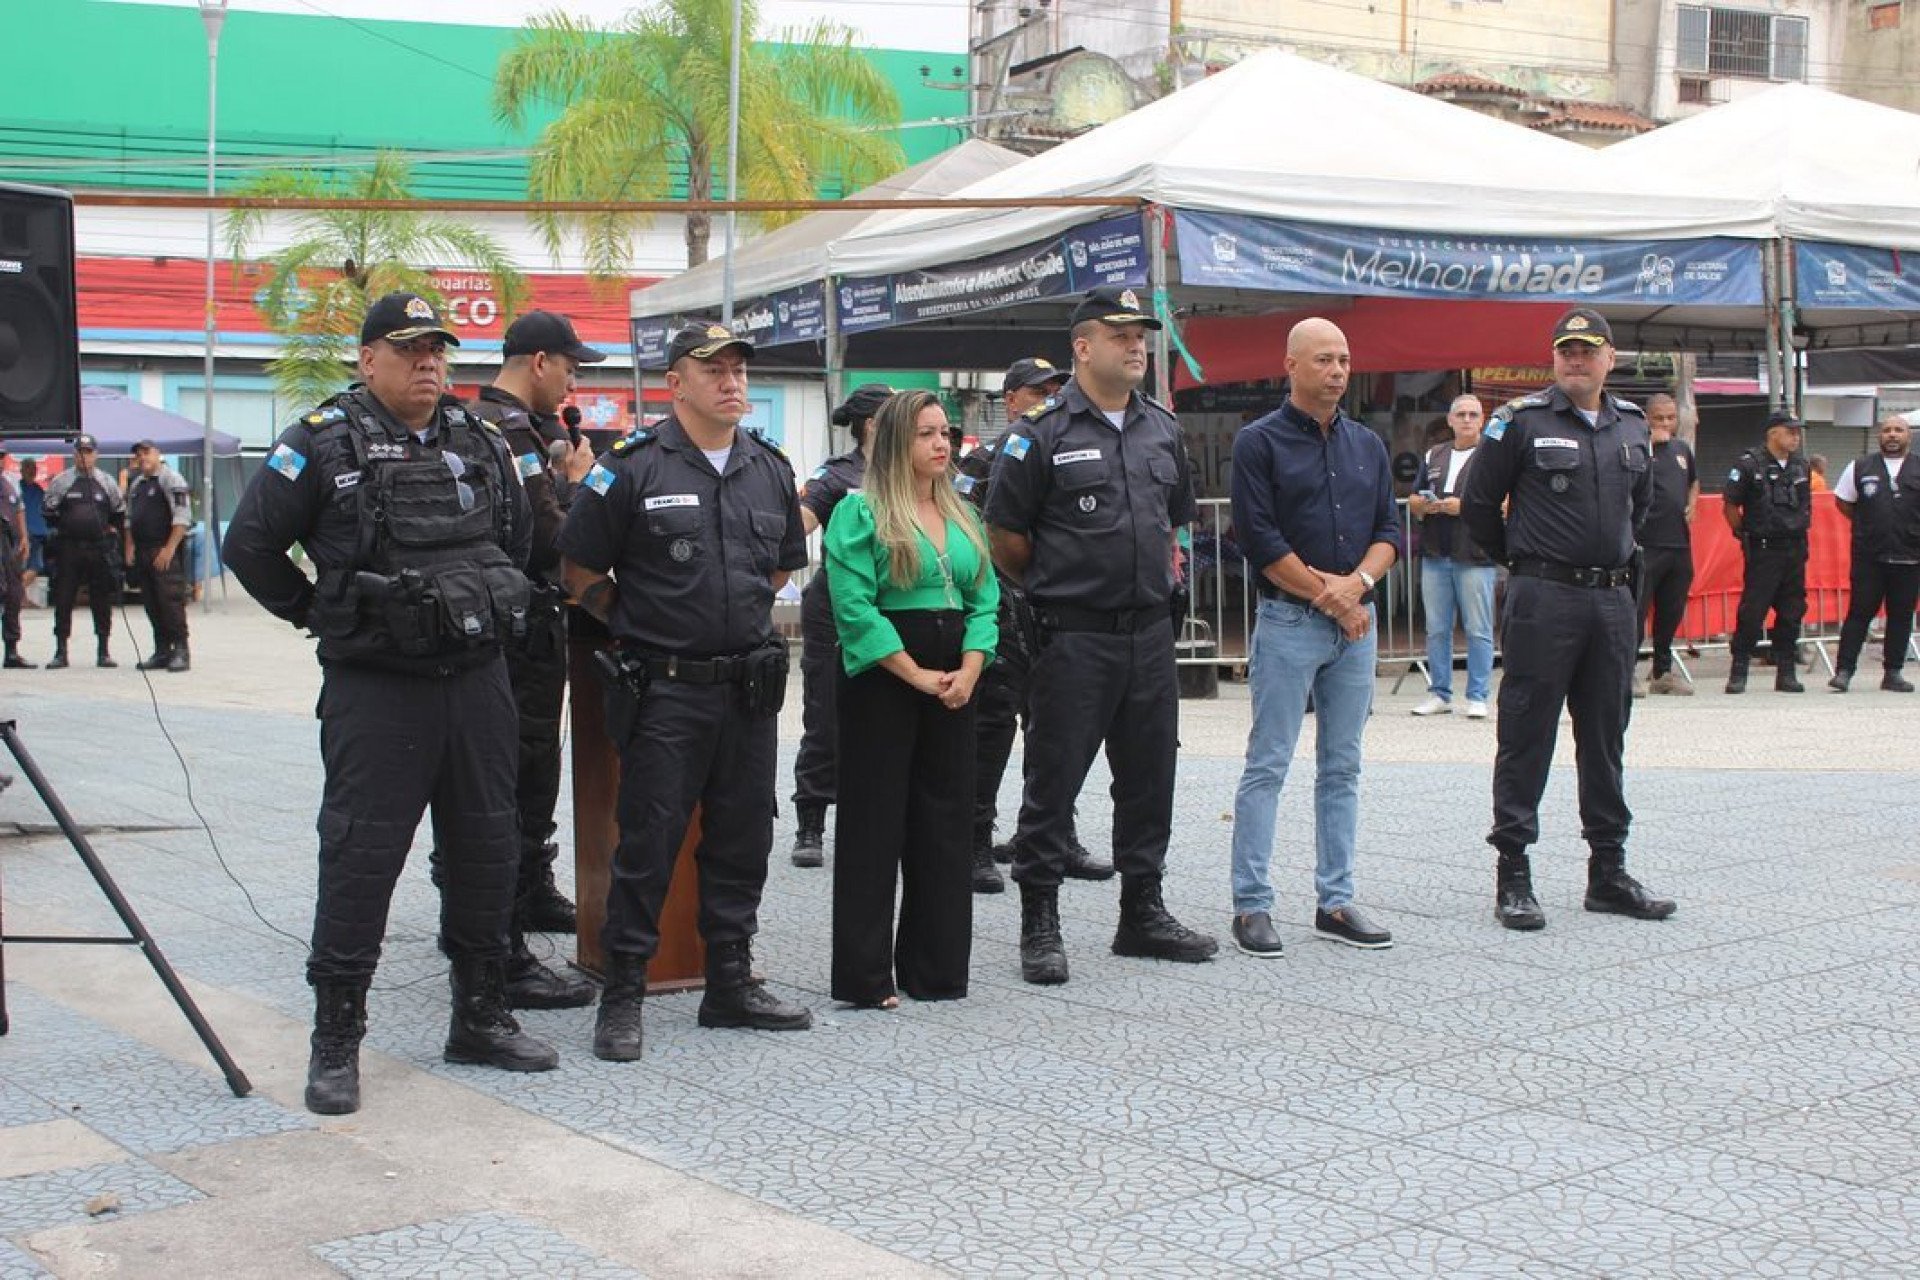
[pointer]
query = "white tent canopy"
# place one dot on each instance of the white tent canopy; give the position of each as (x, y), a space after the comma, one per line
(1285, 137)
(798, 252)
(1825, 166)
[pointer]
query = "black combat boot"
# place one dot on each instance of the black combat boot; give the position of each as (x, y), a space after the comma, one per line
(616, 1028)
(1891, 680)
(735, 998)
(1514, 905)
(1786, 679)
(532, 985)
(483, 1032)
(1082, 864)
(333, 1070)
(59, 658)
(810, 834)
(1149, 931)
(14, 662)
(155, 661)
(1043, 956)
(1841, 681)
(1611, 890)
(986, 876)
(540, 906)
(179, 660)
(102, 658)
(1737, 676)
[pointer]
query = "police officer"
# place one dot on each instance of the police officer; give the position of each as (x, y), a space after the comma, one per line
(1003, 689)
(1666, 542)
(410, 510)
(678, 541)
(814, 767)
(1880, 494)
(1571, 468)
(13, 564)
(85, 513)
(1087, 492)
(159, 512)
(1769, 506)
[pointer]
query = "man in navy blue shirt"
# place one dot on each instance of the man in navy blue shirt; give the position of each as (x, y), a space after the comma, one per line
(1313, 508)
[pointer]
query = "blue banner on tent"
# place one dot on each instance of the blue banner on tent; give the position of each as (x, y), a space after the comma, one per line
(1236, 251)
(1112, 251)
(1849, 275)
(798, 314)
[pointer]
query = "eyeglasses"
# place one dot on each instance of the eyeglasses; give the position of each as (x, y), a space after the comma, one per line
(413, 348)
(458, 466)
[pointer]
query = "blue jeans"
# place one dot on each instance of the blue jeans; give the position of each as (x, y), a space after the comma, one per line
(1450, 587)
(1296, 651)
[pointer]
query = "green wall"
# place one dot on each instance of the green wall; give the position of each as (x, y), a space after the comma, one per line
(93, 81)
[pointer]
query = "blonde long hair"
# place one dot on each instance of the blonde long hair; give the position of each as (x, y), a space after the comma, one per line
(892, 493)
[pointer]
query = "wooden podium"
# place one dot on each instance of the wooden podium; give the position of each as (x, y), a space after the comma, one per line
(680, 963)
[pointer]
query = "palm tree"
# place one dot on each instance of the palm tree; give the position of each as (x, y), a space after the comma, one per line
(342, 259)
(639, 103)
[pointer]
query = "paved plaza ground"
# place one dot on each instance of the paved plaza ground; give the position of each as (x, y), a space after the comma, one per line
(1734, 1092)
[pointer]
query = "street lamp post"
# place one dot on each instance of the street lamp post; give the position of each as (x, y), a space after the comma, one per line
(213, 14)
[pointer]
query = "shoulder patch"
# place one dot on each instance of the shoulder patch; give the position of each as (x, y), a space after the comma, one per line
(529, 465)
(1628, 406)
(599, 479)
(963, 483)
(637, 436)
(288, 461)
(1016, 447)
(1496, 429)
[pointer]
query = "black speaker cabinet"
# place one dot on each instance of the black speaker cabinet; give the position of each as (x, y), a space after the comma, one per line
(39, 330)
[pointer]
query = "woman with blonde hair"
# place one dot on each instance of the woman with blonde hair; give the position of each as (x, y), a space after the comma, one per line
(914, 599)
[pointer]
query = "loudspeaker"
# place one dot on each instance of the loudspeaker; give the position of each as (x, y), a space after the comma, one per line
(39, 328)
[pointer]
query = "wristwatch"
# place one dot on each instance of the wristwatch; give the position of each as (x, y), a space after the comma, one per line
(1365, 577)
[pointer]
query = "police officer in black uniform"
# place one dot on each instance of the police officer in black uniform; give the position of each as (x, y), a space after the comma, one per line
(815, 765)
(1002, 694)
(1769, 506)
(1088, 491)
(85, 515)
(410, 510)
(1571, 468)
(159, 513)
(543, 356)
(698, 524)
(13, 564)
(1880, 494)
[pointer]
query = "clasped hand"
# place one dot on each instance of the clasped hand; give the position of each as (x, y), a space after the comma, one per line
(953, 688)
(1340, 599)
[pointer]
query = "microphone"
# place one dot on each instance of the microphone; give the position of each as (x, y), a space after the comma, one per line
(571, 416)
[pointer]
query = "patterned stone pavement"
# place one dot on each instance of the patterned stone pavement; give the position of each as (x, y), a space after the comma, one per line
(1729, 1093)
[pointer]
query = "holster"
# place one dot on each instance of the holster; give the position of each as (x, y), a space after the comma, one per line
(764, 686)
(1179, 605)
(623, 678)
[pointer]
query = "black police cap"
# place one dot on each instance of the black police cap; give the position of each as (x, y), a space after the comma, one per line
(401, 316)
(703, 342)
(1115, 306)
(1781, 418)
(1031, 372)
(863, 403)
(1583, 324)
(546, 331)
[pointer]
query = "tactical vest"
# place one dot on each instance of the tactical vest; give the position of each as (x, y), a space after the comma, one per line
(430, 578)
(1776, 507)
(83, 512)
(149, 510)
(1886, 521)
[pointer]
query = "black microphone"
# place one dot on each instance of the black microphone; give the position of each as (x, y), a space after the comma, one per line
(571, 416)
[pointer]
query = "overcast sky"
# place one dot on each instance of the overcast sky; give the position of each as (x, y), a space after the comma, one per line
(938, 25)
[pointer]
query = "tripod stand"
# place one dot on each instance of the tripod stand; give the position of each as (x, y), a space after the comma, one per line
(137, 934)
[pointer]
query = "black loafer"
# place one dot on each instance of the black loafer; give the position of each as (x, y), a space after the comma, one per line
(1349, 926)
(1254, 934)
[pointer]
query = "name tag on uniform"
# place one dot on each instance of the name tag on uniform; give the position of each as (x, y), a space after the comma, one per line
(1077, 455)
(1555, 442)
(673, 500)
(346, 480)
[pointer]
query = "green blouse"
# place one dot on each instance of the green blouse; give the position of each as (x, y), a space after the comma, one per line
(857, 566)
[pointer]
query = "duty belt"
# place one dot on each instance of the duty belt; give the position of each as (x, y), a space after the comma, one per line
(1270, 592)
(1121, 623)
(671, 666)
(1572, 574)
(1777, 542)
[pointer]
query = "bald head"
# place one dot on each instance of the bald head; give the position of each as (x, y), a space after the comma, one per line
(1663, 416)
(1896, 435)
(1318, 365)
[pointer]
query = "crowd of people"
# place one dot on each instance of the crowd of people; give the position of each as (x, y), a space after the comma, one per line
(86, 530)
(1033, 586)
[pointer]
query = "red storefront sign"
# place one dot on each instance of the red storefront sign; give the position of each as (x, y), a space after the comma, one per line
(164, 299)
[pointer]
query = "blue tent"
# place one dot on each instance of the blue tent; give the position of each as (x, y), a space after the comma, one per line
(119, 423)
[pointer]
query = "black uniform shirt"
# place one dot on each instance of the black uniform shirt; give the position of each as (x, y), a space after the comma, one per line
(82, 505)
(831, 481)
(528, 435)
(156, 504)
(1579, 493)
(307, 494)
(1775, 497)
(1674, 474)
(973, 474)
(1100, 503)
(694, 550)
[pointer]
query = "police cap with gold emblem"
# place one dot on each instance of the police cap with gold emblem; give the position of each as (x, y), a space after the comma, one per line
(1114, 306)
(703, 342)
(401, 316)
(1583, 324)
